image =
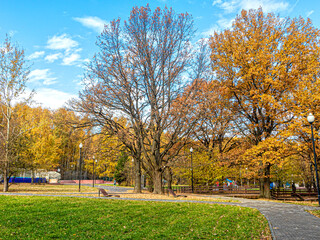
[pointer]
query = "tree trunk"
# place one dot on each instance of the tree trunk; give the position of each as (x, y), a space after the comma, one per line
(261, 187)
(157, 181)
(169, 179)
(137, 183)
(32, 176)
(6, 171)
(261, 181)
(267, 193)
(5, 181)
(150, 183)
(265, 182)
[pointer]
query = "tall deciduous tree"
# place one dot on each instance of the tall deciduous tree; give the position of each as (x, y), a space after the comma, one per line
(261, 60)
(69, 136)
(13, 76)
(138, 74)
(41, 144)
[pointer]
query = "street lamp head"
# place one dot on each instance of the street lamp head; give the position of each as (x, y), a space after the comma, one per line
(191, 149)
(80, 145)
(310, 118)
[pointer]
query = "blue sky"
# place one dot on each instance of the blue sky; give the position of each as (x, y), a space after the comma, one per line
(59, 35)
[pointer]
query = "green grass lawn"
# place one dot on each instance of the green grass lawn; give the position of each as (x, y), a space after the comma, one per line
(315, 212)
(78, 218)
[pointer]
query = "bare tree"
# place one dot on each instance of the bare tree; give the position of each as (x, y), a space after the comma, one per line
(140, 74)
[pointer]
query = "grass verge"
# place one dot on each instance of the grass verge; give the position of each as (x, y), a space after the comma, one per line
(47, 188)
(93, 192)
(315, 213)
(303, 203)
(75, 218)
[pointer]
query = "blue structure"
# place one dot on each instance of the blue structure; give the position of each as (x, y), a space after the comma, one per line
(26, 180)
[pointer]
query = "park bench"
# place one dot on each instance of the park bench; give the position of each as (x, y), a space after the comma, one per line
(297, 196)
(174, 194)
(105, 194)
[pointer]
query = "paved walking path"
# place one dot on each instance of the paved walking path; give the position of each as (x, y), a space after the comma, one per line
(286, 221)
(115, 188)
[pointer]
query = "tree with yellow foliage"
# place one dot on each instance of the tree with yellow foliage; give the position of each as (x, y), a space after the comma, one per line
(106, 150)
(261, 61)
(69, 136)
(13, 77)
(39, 144)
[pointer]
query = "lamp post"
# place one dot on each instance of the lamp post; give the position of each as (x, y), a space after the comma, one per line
(132, 172)
(71, 172)
(240, 177)
(311, 120)
(80, 148)
(58, 170)
(191, 150)
(247, 177)
(94, 161)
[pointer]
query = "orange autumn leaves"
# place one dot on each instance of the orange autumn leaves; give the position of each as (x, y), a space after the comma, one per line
(268, 66)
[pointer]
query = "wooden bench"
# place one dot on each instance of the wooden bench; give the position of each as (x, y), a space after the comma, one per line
(174, 194)
(105, 194)
(297, 196)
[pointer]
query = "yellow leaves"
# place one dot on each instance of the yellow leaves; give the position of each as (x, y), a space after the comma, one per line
(40, 143)
(272, 150)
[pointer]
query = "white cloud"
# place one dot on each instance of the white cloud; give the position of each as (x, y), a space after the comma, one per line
(68, 51)
(35, 55)
(267, 5)
(62, 42)
(95, 23)
(229, 6)
(42, 75)
(86, 60)
(71, 59)
(225, 23)
(210, 31)
(12, 33)
(237, 5)
(216, 2)
(222, 23)
(309, 13)
(51, 98)
(53, 57)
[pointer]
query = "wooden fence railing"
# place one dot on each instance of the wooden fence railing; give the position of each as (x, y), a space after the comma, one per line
(249, 192)
(215, 190)
(298, 195)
